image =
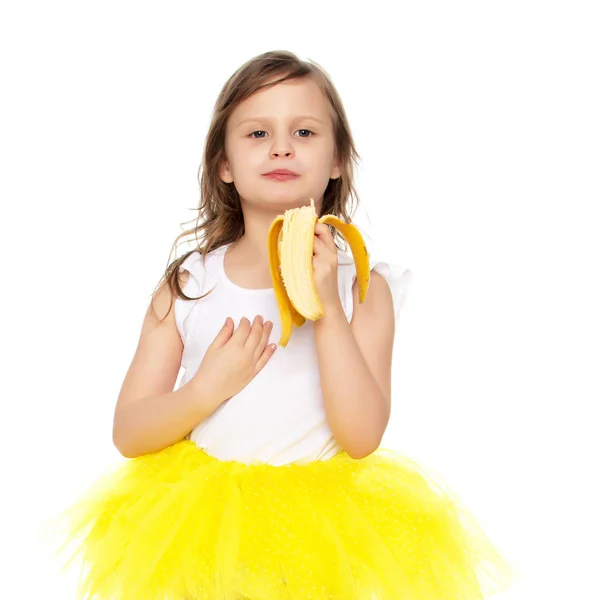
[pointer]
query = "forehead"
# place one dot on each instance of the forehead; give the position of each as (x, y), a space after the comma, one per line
(287, 99)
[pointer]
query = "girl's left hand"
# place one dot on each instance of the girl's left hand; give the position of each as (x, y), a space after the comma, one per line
(325, 265)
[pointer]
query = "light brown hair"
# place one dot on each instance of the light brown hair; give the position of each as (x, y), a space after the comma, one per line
(220, 219)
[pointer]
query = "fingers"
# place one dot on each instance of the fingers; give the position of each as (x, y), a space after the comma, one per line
(224, 333)
(264, 338)
(265, 356)
(244, 329)
(255, 335)
(323, 237)
(262, 352)
(250, 335)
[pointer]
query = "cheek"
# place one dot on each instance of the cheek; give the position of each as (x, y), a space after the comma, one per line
(325, 153)
(243, 160)
(320, 165)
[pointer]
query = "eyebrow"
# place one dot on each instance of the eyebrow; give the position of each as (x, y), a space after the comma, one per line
(301, 117)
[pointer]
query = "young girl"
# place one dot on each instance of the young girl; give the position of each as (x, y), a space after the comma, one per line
(260, 476)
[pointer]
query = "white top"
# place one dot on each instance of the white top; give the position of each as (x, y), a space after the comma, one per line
(279, 417)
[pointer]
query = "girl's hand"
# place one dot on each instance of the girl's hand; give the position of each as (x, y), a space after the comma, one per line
(325, 265)
(234, 358)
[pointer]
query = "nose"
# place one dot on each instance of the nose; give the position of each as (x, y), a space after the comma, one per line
(278, 153)
(281, 146)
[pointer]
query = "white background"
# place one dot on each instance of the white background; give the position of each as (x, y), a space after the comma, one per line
(478, 127)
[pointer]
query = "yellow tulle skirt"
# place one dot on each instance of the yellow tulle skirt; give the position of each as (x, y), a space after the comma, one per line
(180, 524)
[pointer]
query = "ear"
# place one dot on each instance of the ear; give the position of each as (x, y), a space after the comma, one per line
(224, 171)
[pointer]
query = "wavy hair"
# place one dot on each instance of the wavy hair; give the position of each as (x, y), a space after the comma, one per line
(220, 219)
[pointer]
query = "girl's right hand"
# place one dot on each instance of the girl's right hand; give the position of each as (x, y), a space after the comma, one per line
(234, 358)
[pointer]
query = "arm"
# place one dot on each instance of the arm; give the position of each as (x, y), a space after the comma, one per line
(355, 367)
(152, 423)
(149, 415)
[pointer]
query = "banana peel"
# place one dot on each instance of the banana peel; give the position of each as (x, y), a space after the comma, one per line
(290, 249)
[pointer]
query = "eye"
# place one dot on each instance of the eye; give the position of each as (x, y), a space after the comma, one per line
(252, 134)
(262, 131)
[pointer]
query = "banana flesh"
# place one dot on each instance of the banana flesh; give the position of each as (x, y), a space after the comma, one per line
(290, 244)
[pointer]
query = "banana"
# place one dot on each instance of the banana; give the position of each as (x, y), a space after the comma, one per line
(290, 248)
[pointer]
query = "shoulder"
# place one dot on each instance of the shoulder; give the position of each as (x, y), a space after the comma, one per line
(165, 296)
(161, 303)
(183, 277)
(197, 264)
(190, 269)
(378, 303)
(390, 282)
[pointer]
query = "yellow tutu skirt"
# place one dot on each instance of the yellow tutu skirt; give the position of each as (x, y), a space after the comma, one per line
(180, 524)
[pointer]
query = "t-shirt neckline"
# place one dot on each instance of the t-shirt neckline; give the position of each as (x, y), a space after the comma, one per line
(231, 284)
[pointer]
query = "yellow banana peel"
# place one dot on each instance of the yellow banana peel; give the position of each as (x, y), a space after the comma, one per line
(290, 243)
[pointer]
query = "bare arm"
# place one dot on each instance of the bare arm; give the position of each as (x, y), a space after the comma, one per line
(355, 366)
(153, 423)
(149, 415)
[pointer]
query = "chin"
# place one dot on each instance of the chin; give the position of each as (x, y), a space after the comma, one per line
(285, 198)
(279, 196)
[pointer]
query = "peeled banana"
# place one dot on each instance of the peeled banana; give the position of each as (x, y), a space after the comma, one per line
(290, 244)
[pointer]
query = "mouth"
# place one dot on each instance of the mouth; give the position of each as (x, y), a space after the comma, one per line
(281, 175)
(281, 172)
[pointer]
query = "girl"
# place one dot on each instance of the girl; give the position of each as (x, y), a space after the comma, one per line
(261, 476)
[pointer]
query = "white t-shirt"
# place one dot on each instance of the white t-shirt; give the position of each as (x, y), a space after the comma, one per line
(279, 417)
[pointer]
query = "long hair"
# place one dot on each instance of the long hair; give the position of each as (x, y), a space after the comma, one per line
(220, 219)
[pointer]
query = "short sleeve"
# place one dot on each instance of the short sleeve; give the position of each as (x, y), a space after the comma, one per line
(398, 278)
(193, 287)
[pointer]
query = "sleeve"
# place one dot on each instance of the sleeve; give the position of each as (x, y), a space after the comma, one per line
(184, 315)
(398, 278)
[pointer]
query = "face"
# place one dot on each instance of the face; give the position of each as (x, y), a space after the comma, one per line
(287, 126)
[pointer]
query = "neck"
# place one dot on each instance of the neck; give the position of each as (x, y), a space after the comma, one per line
(253, 245)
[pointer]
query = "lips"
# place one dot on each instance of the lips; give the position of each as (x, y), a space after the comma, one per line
(281, 175)
(281, 172)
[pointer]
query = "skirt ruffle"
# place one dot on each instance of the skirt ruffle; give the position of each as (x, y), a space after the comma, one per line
(180, 524)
